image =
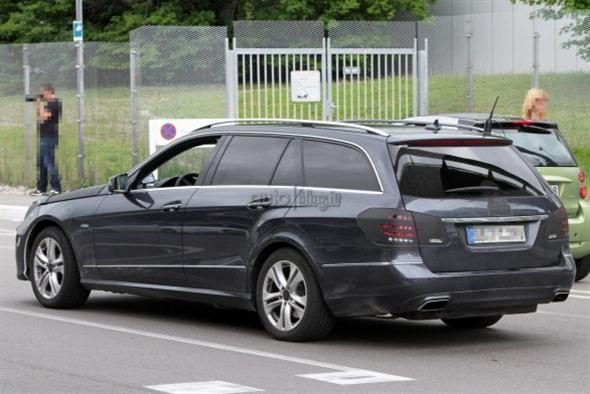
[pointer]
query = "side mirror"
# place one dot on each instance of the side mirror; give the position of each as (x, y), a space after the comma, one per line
(118, 183)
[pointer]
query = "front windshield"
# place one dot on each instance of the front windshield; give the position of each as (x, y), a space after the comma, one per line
(542, 150)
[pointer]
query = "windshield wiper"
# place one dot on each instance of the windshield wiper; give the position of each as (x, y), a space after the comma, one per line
(529, 128)
(469, 189)
(548, 160)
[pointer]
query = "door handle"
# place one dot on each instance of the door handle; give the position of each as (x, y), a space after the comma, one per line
(172, 206)
(260, 204)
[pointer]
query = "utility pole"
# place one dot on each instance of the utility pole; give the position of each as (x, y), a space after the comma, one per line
(79, 40)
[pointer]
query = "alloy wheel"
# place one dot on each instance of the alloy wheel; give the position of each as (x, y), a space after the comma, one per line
(284, 295)
(48, 268)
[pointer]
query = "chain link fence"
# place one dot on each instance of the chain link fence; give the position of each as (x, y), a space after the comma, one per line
(184, 72)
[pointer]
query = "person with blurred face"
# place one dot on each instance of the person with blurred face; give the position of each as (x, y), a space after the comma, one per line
(48, 111)
(535, 104)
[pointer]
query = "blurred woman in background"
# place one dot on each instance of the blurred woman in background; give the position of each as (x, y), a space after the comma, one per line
(535, 104)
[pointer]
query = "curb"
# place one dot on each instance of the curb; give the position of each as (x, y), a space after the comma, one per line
(12, 212)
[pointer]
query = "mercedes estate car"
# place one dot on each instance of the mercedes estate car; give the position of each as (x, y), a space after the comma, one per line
(544, 147)
(305, 222)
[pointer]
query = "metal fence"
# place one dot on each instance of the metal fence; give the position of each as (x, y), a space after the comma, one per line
(451, 63)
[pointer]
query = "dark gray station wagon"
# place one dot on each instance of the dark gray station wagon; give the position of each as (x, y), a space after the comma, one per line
(307, 221)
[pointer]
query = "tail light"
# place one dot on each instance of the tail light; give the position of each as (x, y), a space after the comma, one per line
(389, 226)
(565, 224)
(583, 188)
(558, 225)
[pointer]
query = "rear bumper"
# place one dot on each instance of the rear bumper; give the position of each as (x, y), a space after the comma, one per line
(580, 231)
(403, 289)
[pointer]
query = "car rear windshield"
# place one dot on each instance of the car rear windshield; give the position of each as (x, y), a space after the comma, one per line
(541, 150)
(450, 172)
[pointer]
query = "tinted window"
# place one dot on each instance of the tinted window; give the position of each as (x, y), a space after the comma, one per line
(249, 161)
(459, 171)
(542, 150)
(289, 169)
(337, 166)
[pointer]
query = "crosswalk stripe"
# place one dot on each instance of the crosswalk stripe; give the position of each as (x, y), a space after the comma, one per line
(356, 376)
(209, 387)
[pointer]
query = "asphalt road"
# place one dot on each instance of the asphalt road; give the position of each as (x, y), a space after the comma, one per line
(127, 344)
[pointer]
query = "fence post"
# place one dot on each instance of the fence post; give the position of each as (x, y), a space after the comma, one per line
(469, 95)
(80, 96)
(29, 127)
(415, 74)
(423, 79)
(133, 103)
(230, 84)
(536, 65)
(327, 82)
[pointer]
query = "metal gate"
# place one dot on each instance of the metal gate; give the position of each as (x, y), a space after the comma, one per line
(372, 83)
(260, 85)
(356, 83)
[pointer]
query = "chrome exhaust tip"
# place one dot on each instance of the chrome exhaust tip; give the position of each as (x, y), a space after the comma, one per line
(434, 304)
(560, 296)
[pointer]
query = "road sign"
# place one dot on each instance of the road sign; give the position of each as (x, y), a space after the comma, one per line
(168, 131)
(77, 30)
(305, 86)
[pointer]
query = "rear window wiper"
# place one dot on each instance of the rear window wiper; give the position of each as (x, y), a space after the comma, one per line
(529, 128)
(469, 189)
(547, 159)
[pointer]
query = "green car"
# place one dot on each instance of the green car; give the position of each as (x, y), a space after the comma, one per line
(545, 147)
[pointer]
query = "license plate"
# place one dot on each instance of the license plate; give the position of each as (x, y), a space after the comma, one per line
(495, 234)
(555, 189)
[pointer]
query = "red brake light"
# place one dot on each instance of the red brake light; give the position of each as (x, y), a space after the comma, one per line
(389, 226)
(461, 142)
(583, 192)
(565, 224)
(523, 122)
(581, 176)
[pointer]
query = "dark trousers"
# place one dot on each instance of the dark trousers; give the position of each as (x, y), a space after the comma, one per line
(46, 164)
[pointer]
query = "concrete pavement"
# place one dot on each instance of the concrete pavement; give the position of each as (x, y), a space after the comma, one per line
(127, 344)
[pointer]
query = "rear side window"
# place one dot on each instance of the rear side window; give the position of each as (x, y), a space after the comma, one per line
(289, 172)
(249, 161)
(448, 172)
(337, 166)
(541, 150)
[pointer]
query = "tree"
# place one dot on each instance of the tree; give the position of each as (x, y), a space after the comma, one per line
(578, 30)
(50, 20)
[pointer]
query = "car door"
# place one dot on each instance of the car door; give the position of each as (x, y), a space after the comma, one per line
(137, 235)
(241, 203)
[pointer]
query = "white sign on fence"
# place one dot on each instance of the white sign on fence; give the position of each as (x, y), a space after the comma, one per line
(305, 86)
(164, 131)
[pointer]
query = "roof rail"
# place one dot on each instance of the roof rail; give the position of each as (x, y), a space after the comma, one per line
(301, 122)
(401, 123)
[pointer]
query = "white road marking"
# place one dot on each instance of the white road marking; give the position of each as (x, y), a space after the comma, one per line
(580, 291)
(211, 387)
(7, 247)
(357, 376)
(579, 296)
(7, 233)
(188, 341)
(586, 317)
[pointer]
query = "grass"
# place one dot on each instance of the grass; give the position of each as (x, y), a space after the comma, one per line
(108, 139)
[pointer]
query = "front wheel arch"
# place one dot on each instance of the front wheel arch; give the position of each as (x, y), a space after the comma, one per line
(39, 226)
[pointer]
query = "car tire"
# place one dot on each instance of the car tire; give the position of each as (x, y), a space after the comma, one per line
(582, 268)
(289, 300)
(53, 271)
(477, 322)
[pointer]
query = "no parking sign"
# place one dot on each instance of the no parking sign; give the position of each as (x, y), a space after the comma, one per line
(168, 131)
(165, 131)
